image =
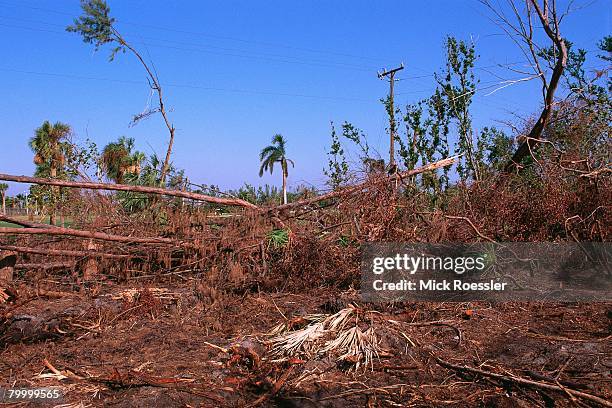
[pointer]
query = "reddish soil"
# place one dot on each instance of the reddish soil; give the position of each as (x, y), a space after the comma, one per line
(152, 347)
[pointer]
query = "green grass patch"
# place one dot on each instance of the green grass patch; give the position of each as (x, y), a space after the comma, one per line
(67, 222)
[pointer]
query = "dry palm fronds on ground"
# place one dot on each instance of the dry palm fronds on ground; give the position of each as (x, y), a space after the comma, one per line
(338, 334)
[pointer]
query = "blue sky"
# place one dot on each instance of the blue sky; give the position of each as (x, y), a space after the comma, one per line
(237, 72)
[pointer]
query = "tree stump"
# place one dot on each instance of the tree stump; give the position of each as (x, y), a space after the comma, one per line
(8, 260)
(90, 268)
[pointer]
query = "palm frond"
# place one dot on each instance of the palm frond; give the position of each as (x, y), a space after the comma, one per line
(267, 151)
(279, 141)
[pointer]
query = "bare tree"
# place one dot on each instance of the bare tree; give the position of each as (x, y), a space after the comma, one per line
(522, 29)
(96, 26)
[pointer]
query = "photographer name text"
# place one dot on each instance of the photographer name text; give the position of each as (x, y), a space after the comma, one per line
(438, 285)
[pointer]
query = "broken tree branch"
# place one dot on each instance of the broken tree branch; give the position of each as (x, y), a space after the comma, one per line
(476, 230)
(359, 187)
(45, 266)
(24, 223)
(57, 231)
(62, 252)
(125, 187)
(524, 381)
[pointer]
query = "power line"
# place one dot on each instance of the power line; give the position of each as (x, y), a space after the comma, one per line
(259, 57)
(187, 86)
(298, 59)
(252, 57)
(505, 65)
(169, 29)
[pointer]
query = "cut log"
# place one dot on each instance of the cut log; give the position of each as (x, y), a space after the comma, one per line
(90, 268)
(58, 231)
(63, 252)
(7, 265)
(125, 187)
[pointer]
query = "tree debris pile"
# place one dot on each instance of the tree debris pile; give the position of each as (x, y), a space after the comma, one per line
(210, 303)
(300, 350)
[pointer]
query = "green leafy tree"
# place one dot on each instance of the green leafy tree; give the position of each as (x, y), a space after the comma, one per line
(261, 195)
(149, 175)
(430, 132)
(494, 149)
(458, 85)
(276, 153)
(118, 159)
(580, 124)
(605, 45)
(337, 167)
(3, 188)
(96, 27)
(356, 135)
(429, 122)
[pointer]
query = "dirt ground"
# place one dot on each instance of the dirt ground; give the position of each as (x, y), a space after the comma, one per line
(176, 343)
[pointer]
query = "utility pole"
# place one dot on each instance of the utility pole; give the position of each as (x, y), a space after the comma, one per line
(391, 74)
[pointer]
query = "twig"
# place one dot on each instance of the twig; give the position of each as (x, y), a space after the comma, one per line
(440, 323)
(58, 231)
(480, 234)
(364, 391)
(275, 389)
(215, 347)
(524, 381)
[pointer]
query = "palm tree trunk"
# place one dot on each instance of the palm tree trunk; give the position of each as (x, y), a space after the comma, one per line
(54, 195)
(4, 202)
(284, 186)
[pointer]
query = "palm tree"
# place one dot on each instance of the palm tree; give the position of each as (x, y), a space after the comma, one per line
(3, 188)
(118, 160)
(48, 145)
(275, 153)
(22, 201)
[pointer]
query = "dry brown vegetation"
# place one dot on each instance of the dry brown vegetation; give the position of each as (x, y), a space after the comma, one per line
(191, 300)
(198, 306)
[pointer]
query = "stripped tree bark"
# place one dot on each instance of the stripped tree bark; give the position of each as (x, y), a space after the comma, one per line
(124, 187)
(46, 266)
(63, 252)
(58, 231)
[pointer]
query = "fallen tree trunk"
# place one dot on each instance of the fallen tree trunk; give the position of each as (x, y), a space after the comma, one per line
(125, 187)
(57, 231)
(24, 223)
(357, 188)
(63, 252)
(45, 266)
